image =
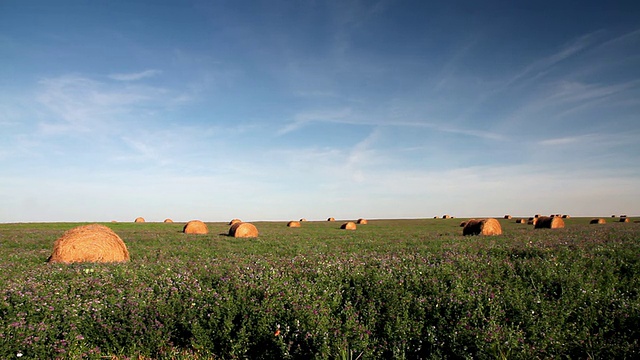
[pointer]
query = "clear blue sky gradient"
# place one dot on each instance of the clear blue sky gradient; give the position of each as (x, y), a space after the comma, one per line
(277, 110)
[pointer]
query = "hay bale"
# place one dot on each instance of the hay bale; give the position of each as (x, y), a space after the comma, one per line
(195, 227)
(521, 221)
(235, 221)
(243, 230)
(508, 217)
(89, 243)
(349, 225)
(548, 222)
(623, 215)
(303, 219)
(532, 220)
(331, 219)
(624, 219)
(362, 221)
(613, 216)
(482, 227)
(462, 224)
(168, 220)
(292, 224)
(598, 221)
(139, 219)
(445, 216)
(565, 216)
(536, 216)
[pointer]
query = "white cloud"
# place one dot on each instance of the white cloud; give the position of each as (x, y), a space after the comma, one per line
(135, 76)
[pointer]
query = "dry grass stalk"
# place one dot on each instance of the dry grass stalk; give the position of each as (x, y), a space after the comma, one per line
(243, 230)
(89, 243)
(482, 227)
(139, 219)
(547, 222)
(195, 227)
(350, 225)
(295, 224)
(598, 221)
(362, 221)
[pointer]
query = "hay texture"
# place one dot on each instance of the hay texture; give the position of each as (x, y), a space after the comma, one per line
(331, 219)
(350, 225)
(168, 220)
(139, 219)
(598, 221)
(243, 230)
(235, 221)
(362, 221)
(293, 224)
(89, 243)
(547, 222)
(482, 227)
(195, 227)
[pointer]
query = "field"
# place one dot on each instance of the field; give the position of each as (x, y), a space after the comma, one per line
(391, 289)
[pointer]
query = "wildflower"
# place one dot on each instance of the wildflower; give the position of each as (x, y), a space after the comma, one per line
(19, 354)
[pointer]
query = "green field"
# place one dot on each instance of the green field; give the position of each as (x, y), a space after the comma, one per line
(391, 289)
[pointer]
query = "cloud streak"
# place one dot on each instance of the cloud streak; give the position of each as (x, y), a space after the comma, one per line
(135, 76)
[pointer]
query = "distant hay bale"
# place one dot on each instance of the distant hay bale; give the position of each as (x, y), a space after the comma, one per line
(295, 224)
(435, 217)
(548, 222)
(168, 220)
(532, 220)
(508, 217)
(623, 215)
(445, 216)
(235, 221)
(565, 216)
(462, 224)
(536, 216)
(482, 227)
(362, 221)
(243, 230)
(195, 227)
(521, 221)
(349, 225)
(331, 219)
(598, 221)
(624, 219)
(89, 243)
(139, 219)
(303, 219)
(613, 216)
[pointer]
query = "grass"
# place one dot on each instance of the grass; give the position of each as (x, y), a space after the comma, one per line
(391, 289)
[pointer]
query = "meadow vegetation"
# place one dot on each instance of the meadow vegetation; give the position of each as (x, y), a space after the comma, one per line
(390, 289)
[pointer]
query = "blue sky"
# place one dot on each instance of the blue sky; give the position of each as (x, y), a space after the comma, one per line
(277, 110)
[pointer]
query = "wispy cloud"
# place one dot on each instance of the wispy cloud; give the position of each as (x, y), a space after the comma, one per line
(135, 76)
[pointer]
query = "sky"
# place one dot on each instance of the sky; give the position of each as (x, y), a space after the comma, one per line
(278, 110)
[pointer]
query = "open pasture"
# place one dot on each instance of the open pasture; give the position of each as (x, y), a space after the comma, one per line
(390, 289)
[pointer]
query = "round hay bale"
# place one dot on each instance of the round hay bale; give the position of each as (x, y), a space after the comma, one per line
(565, 216)
(532, 221)
(331, 219)
(445, 216)
(243, 230)
(624, 219)
(521, 221)
(168, 220)
(89, 243)
(598, 221)
(362, 221)
(462, 224)
(613, 216)
(195, 227)
(139, 219)
(623, 215)
(350, 225)
(303, 219)
(482, 227)
(508, 217)
(293, 224)
(547, 222)
(235, 221)
(536, 216)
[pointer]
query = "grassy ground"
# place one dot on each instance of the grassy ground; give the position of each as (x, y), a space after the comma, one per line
(390, 289)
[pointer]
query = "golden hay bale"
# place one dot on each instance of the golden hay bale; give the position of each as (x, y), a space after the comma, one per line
(235, 221)
(624, 219)
(168, 220)
(295, 224)
(195, 227)
(349, 225)
(482, 227)
(303, 219)
(362, 221)
(243, 230)
(89, 243)
(445, 216)
(598, 221)
(139, 219)
(331, 219)
(532, 221)
(462, 224)
(521, 221)
(548, 222)
(508, 217)
(565, 216)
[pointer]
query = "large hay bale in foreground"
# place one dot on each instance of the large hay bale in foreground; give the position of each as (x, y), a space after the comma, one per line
(350, 225)
(331, 219)
(293, 224)
(139, 219)
(547, 222)
(362, 221)
(598, 221)
(234, 221)
(243, 230)
(195, 227)
(168, 220)
(482, 227)
(89, 243)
